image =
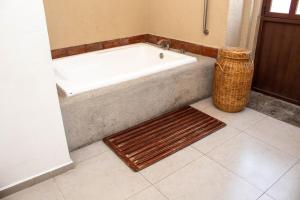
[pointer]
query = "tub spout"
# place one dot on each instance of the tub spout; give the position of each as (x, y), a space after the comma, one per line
(165, 44)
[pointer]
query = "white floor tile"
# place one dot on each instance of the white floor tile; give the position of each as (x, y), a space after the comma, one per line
(258, 163)
(210, 142)
(244, 119)
(205, 179)
(102, 177)
(170, 164)
(241, 120)
(149, 194)
(201, 105)
(89, 151)
(288, 187)
(257, 158)
(215, 112)
(279, 134)
(43, 191)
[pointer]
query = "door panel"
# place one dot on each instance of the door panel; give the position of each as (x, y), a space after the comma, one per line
(277, 62)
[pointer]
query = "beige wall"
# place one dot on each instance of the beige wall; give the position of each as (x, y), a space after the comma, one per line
(78, 22)
(75, 22)
(183, 20)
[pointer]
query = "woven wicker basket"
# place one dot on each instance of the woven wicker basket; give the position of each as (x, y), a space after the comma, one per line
(232, 80)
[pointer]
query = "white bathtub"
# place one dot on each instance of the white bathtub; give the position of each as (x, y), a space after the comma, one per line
(90, 71)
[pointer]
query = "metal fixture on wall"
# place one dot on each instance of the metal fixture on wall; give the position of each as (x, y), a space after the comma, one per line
(205, 15)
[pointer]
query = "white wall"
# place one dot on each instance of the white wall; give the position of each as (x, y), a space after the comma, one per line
(32, 138)
(234, 26)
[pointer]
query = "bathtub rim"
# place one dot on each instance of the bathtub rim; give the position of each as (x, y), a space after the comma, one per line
(133, 76)
(202, 61)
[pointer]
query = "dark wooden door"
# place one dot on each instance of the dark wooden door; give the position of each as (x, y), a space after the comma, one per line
(277, 60)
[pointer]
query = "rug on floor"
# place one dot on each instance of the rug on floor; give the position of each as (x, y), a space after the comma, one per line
(149, 142)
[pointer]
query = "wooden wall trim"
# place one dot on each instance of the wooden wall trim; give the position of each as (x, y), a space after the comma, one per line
(69, 51)
(187, 46)
(175, 44)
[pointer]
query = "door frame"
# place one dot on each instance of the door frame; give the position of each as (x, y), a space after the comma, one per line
(266, 16)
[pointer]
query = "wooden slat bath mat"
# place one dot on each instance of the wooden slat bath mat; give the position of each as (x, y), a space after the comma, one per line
(151, 141)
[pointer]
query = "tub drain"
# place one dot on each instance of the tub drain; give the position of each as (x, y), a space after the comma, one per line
(161, 55)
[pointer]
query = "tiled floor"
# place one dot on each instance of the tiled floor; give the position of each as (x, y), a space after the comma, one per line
(254, 158)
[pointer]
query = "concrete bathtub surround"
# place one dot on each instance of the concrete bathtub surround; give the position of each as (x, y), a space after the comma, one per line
(90, 116)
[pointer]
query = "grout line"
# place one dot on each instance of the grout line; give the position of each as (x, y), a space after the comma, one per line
(265, 195)
(59, 189)
(160, 192)
(210, 158)
(180, 168)
(271, 145)
(264, 192)
(153, 185)
(221, 144)
(139, 192)
(243, 132)
(280, 178)
(89, 158)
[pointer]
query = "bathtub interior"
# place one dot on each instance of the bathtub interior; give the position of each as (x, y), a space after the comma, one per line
(81, 73)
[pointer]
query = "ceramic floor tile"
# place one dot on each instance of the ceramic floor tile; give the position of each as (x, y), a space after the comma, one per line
(241, 120)
(149, 194)
(244, 119)
(43, 191)
(215, 112)
(279, 134)
(210, 142)
(265, 197)
(170, 164)
(102, 177)
(257, 162)
(89, 151)
(288, 187)
(201, 105)
(205, 179)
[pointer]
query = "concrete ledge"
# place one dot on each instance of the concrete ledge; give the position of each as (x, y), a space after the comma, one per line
(93, 115)
(38, 179)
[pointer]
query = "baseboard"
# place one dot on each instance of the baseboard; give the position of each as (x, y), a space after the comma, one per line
(35, 180)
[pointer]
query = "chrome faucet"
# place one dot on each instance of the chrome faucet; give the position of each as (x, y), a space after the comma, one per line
(165, 44)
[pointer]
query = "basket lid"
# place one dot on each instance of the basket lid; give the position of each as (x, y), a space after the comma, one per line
(235, 53)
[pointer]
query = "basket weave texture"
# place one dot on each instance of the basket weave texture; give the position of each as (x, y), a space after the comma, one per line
(232, 79)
